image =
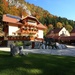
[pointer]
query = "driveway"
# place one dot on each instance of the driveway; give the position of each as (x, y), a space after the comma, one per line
(69, 51)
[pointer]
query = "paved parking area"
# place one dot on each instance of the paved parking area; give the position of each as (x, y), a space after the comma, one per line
(69, 51)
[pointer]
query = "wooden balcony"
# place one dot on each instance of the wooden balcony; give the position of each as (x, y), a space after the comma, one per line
(28, 32)
(23, 32)
(28, 38)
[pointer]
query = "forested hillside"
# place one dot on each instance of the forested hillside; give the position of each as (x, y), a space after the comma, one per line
(20, 7)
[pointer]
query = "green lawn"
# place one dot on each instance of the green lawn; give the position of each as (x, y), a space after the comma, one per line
(36, 64)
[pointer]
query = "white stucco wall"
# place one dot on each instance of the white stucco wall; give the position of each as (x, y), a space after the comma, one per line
(40, 33)
(63, 30)
(12, 29)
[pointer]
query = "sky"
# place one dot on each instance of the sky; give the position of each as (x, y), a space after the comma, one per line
(62, 8)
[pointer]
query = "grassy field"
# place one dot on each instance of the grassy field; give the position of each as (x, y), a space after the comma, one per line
(36, 64)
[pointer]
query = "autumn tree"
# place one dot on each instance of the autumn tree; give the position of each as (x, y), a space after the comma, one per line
(13, 10)
(42, 15)
(4, 7)
(50, 27)
(1, 10)
(59, 25)
(21, 12)
(46, 30)
(69, 28)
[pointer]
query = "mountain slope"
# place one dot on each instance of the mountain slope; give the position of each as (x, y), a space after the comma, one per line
(22, 8)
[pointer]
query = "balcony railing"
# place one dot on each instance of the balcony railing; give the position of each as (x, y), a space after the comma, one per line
(27, 38)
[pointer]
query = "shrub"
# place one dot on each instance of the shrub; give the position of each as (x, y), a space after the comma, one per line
(19, 43)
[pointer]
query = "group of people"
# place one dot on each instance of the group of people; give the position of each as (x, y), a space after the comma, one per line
(14, 50)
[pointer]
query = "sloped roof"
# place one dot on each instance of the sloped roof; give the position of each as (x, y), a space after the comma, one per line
(55, 30)
(30, 17)
(41, 26)
(67, 38)
(33, 18)
(73, 31)
(17, 20)
(10, 18)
